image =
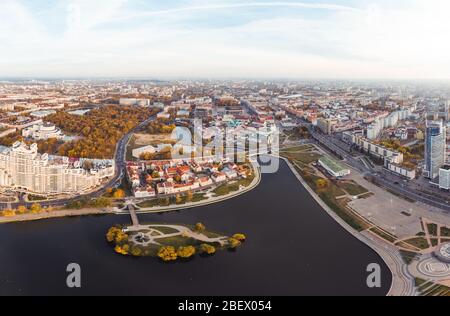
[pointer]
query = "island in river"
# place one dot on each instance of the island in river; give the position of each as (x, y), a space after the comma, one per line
(169, 242)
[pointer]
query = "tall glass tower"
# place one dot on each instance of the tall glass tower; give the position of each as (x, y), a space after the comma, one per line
(435, 148)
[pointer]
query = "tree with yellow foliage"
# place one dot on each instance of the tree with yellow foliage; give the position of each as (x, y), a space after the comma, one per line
(119, 194)
(186, 252)
(9, 213)
(189, 196)
(322, 183)
(240, 237)
(22, 209)
(123, 250)
(111, 234)
(168, 254)
(207, 249)
(233, 243)
(36, 208)
(121, 237)
(200, 228)
(115, 234)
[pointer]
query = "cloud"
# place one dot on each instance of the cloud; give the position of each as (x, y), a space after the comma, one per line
(381, 39)
(83, 15)
(194, 8)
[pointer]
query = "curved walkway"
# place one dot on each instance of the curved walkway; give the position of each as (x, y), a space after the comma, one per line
(180, 231)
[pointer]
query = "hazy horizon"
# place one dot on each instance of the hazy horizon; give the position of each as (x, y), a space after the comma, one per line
(227, 39)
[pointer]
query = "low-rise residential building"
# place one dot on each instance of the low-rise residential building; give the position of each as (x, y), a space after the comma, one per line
(170, 177)
(400, 170)
(144, 192)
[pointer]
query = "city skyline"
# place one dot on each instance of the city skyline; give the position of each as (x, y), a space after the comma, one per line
(225, 39)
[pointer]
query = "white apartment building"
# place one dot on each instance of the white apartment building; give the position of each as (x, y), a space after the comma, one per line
(444, 177)
(23, 168)
(383, 121)
(42, 131)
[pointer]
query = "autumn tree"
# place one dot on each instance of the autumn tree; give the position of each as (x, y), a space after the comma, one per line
(233, 243)
(168, 254)
(186, 252)
(9, 213)
(119, 194)
(36, 208)
(240, 237)
(100, 129)
(207, 249)
(200, 228)
(189, 196)
(22, 209)
(123, 250)
(322, 183)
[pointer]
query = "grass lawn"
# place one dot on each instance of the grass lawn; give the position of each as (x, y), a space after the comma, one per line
(298, 148)
(176, 242)
(432, 229)
(430, 289)
(408, 256)
(383, 234)
(405, 246)
(197, 197)
(418, 242)
(352, 188)
(227, 188)
(445, 232)
(345, 214)
(165, 230)
(303, 158)
(328, 196)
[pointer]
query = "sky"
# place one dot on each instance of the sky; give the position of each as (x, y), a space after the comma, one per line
(348, 39)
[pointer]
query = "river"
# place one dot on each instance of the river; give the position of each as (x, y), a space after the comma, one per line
(294, 248)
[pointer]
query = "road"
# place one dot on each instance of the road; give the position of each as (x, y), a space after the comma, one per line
(120, 161)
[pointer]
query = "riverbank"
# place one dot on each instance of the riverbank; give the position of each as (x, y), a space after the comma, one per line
(402, 281)
(55, 214)
(114, 211)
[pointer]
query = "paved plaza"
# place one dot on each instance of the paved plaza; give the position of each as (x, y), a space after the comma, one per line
(394, 214)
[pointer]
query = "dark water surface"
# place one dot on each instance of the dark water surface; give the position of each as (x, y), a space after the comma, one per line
(293, 248)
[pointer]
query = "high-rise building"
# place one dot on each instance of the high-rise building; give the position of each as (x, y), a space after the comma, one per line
(435, 148)
(23, 168)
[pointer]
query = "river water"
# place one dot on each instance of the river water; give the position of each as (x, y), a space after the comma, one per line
(293, 248)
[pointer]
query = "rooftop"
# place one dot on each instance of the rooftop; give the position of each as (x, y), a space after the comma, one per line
(333, 164)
